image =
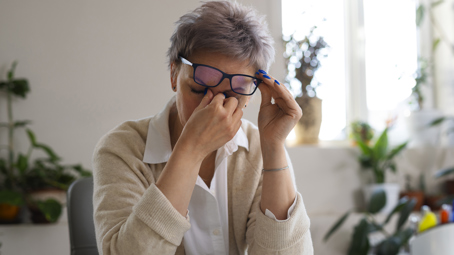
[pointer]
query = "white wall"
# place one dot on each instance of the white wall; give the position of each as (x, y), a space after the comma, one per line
(94, 64)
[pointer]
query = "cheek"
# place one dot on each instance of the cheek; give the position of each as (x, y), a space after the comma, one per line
(186, 104)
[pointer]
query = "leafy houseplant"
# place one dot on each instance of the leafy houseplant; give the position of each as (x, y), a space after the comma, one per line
(303, 60)
(380, 159)
(19, 175)
(389, 243)
(378, 156)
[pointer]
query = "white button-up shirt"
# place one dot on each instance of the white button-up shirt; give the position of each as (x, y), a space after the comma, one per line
(208, 208)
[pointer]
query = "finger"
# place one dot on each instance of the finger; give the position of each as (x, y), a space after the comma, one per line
(274, 85)
(206, 100)
(218, 99)
(266, 95)
(230, 104)
(282, 96)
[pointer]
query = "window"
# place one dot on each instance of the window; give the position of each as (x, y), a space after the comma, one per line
(371, 60)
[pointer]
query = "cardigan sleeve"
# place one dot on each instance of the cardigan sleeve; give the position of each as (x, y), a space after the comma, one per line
(131, 216)
(268, 236)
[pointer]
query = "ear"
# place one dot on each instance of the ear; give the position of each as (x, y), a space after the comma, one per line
(173, 76)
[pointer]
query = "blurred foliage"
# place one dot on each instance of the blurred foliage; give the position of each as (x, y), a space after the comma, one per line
(19, 175)
(303, 57)
(391, 243)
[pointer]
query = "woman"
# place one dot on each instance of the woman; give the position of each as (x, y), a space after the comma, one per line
(196, 178)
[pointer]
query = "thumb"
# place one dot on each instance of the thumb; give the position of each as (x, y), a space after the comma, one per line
(206, 100)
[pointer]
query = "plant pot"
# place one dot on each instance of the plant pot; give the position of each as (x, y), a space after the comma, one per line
(418, 195)
(9, 214)
(391, 191)
(432, 202)
(436, 241)
(308, 127)
(449, 187)
(42, 195)
(420, 133)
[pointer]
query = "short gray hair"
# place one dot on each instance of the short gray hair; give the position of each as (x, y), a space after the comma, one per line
(225, 27)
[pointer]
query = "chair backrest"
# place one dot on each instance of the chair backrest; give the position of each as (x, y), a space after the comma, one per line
(80, 218)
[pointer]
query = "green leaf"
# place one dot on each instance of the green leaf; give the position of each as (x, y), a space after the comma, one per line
(19, 88)
(396, 150)
(83, 172)
(435, 4)
(360, 241)
(437, 121)
(366, 150)
(402, 202)
(3, 85)
(52, 155)
(435, 44)
(444, 172)
(420, 15)
(404, 236)
(405, 213)
(390, 246)
(11, 197)
(381, 146)
(22, 163)
(22, 123)
(336, 226)
(377, 201)
(51, 209)
(31, 137)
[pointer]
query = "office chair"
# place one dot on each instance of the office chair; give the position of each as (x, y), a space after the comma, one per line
(80, 218)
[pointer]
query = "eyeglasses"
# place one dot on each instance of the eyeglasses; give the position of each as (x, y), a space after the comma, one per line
(209, 76)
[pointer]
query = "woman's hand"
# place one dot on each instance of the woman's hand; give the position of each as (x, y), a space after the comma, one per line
(212, 124)
(276, 120)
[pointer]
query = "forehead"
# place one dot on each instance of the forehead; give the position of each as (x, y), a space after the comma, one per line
(223, 62)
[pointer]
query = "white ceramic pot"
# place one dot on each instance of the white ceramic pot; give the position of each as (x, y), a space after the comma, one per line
(392, 195)
(438, 241)
(417, 126)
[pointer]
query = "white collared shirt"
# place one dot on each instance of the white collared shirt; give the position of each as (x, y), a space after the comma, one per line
(208, 208)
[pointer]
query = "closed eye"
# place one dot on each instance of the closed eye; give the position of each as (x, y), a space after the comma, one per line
(197, 91)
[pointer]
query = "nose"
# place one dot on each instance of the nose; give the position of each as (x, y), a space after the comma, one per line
(223, 87)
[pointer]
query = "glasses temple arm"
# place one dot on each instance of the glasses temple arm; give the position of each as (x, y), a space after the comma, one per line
(185, 61)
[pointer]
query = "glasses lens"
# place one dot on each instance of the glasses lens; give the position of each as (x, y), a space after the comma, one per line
(243, 84)
(207, 76)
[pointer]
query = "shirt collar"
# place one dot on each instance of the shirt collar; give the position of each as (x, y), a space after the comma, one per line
(158, 148)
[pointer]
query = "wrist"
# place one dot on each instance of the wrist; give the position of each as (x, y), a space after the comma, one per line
(273, 155)
(187, 149)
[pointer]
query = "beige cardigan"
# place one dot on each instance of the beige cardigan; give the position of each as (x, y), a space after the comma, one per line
(132, 216)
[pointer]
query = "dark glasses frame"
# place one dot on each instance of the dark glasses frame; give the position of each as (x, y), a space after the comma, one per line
(224, 75)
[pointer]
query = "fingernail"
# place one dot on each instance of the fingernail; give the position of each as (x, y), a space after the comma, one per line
(277, 82)
(266, 76)
(257, 73)
(206, 90)
(260, 70)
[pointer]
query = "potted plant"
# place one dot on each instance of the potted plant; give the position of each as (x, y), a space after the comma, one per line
(379, 158)
(369, 235)
(21, 177)
(303, 60)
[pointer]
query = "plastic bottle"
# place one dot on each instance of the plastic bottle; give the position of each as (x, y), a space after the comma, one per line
(445, 214)
(428, 220)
